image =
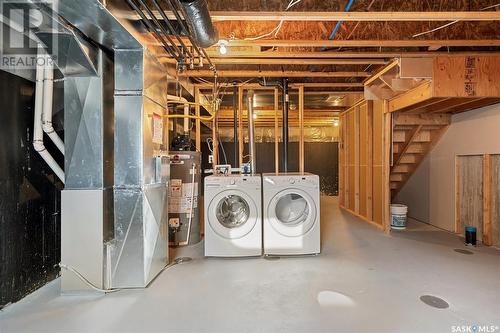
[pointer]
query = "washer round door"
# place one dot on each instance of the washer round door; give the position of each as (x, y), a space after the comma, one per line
(232, 214)
(292, 212)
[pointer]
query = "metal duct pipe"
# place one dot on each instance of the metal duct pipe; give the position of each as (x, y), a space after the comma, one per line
(251, 140)
(199, 21)
(286, 101)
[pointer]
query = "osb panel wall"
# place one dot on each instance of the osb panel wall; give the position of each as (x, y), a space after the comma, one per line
(470, 193)
(459, 76)
(362, 161)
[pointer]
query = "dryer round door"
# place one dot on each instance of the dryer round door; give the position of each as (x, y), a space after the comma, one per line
(292, 212)
(232, 214)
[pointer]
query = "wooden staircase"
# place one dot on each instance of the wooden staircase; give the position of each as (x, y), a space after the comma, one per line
(414, 135)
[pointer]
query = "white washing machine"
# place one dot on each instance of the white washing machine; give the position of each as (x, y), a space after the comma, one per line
(233, 216)
(291, 214)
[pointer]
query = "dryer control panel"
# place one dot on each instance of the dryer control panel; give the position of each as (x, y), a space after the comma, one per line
(293, 180)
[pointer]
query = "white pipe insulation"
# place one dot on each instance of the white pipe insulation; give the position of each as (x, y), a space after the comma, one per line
(37, 124)
(48, 97)
(186, 110)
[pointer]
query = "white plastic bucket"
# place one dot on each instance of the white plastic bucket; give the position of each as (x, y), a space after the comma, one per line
(398, 216)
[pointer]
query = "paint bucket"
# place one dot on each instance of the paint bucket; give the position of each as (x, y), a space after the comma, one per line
(398, 216)
(470, 236)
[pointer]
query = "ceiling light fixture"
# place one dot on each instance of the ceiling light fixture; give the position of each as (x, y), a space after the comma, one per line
(223, 44)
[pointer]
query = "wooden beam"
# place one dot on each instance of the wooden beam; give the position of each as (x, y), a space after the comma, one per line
(276, 132)
(365, 43)
(256, 86)
(213, 53)
(286, 61)
(324, 16)
(386, 167)
(306, 92)
(487, 195)
(250, 73)
(301, 129)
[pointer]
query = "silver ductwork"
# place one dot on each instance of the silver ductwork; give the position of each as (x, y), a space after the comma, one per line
(114, 221)
(200, 23)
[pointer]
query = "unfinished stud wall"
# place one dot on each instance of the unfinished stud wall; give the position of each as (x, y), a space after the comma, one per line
(363, 163)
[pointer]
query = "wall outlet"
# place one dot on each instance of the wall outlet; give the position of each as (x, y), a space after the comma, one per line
(210, 159)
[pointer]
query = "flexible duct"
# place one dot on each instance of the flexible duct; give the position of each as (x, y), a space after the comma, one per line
(200, 23)
(251, 139)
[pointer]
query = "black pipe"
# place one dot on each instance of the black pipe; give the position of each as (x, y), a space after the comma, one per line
(285, 103)
(145, 20)
(171, 28)
(235, 124)
(162, 29)
(198, 18)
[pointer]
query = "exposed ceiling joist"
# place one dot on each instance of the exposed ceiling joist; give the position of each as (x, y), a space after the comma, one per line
(293, 61)
(295, 92)
(334, 54)
(250, 73)
(295, 85)
(218, 16)
(364, 43)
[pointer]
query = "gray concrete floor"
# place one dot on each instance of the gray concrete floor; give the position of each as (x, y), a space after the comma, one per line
(364, 281)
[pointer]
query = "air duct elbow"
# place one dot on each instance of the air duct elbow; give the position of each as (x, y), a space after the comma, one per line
(200, 22)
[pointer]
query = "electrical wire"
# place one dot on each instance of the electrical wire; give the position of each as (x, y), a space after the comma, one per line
(223, 152)
(276, 29)
(112, 290)
(450, 23)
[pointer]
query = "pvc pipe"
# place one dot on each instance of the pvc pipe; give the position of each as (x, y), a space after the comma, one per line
(48, 97)
(186, 110)
(37, 126)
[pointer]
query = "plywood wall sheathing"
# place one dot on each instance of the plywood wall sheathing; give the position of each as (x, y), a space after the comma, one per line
(495, 200)
(487, 217)
(470, 193)
(473, 76)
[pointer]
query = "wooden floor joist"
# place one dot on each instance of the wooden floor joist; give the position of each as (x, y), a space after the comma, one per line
(218, 16)
(253, 74)
(364, 43)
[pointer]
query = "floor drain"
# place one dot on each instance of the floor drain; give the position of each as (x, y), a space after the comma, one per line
(463, 251)
(434, 301)
(182, 260)
(272, 258)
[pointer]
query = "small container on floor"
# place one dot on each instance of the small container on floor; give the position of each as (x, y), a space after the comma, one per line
(470, 236)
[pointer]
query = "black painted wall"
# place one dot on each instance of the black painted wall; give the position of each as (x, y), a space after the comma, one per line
(320, 158)
(29, 197)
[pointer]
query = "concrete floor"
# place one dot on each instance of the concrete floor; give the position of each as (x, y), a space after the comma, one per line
(364, 281)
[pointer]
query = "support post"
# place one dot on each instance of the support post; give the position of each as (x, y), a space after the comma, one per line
(276, 132)
(301, 129)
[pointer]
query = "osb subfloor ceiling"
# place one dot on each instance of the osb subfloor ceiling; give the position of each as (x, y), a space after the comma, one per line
(262, 48)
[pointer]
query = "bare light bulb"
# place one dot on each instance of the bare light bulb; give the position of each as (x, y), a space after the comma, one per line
(222, 49)
(255, 116)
